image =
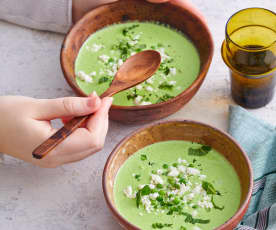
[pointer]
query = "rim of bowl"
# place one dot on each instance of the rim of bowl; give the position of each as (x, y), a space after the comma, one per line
(114, 210)
(196, 83)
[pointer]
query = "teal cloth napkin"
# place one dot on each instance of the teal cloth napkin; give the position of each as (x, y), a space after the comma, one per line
(258, 139)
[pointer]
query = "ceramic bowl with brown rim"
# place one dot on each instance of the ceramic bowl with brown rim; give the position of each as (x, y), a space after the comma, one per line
(187, 131)
(184, 20)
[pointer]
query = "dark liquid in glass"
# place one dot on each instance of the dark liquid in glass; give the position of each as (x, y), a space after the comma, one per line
(253, 91)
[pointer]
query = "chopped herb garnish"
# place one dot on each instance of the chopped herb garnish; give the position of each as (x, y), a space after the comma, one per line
(159, 186)
(215, 206)
(110, 60)
(138, 198)
(165, 97)
(151, 163)
(103, 80)
(144, 157)
(182, 181)
(160, 225)
(165, 166)
(202, 151)
(128, 29)
(191, 220)
(145, 190)
(167, 70)
(209, 188)
(133, 96)
(182, 228)
(137, 177)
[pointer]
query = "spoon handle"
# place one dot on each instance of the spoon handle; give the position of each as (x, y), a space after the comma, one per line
(48, 145)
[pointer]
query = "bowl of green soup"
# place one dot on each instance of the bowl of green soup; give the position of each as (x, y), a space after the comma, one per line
(178, 175)
(104, 38)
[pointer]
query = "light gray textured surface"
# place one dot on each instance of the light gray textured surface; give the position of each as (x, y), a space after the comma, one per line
(70, 197)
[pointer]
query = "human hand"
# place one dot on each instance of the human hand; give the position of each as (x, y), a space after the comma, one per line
(25, 123)
(80, 7)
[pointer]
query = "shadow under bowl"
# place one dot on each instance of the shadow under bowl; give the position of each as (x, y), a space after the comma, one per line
(180, 130)
(182, 19)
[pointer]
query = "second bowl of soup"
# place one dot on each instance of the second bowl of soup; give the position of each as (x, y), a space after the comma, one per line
(178, 175)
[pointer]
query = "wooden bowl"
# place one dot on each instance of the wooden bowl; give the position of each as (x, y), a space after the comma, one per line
(180, 130)
(183, 19)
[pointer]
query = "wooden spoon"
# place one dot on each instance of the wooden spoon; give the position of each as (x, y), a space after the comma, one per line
(135, 70)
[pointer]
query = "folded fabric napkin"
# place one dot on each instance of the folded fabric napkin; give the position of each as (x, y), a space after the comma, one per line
(258, 139)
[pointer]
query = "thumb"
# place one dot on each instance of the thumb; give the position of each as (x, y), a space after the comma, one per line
(49, 109)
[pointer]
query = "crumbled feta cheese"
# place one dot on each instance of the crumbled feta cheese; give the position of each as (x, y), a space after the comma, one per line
(197, 189)
(205, 204)
(164, 56)
(96, 47)
(202, 177)
(150, 81)
(84, 77)
(159, 171)
(129, 193)
(193, 171)
(147, 203)
(141, 214)
(173, 71)
(137, 36)
(173, 172)
(149, 88)
(114, 68)
(138, 99)
(145, 103)
(183, 189)
(152, 186)
(132, 43)
(110, 73)
(153, 196)
(173, 192)
(172, 82)
(190, 196)
(120, 62)
(132, 53)
(140, 186)
(156, 179)
(139, 87)
(104, 58)
(93, 73)
(181, 169)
